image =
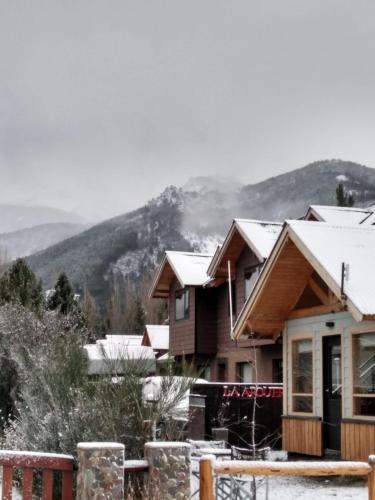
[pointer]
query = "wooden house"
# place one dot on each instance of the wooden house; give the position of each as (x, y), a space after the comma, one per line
(317, 292)
(197, 288)
(246, 247)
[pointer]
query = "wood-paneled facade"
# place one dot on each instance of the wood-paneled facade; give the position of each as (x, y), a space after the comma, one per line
(328, 355)
(204, 336)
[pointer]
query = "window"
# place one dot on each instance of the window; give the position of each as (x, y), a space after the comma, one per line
(182, 304)
(222, 371)
(302, 381)
(244, 372)
(204, 372)
(251, 275)
(364, 374)
(277, 371)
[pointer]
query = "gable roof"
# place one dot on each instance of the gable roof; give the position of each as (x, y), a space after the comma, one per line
(158, 336)
(259, 236)
(341, 215)
(321, 247)
(189, 268)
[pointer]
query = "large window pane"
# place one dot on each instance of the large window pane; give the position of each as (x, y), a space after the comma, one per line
(182, 304)
(251, 275)
(302, 380)
(364, 373)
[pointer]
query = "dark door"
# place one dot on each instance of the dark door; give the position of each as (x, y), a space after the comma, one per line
(332, 388)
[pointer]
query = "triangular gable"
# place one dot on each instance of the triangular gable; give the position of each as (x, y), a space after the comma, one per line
(259, 236)
(189, 268)
(302, 250)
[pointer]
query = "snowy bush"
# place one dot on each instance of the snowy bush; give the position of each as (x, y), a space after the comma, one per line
(56, 404)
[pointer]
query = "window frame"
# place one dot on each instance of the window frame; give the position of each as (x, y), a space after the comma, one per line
(291, 380)
(239, 365)
(353, 395)
(182, 292)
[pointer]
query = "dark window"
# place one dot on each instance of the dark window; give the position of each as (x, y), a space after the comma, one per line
(221, 372)
(182, 304)
(277, 371)
(251, 275)
(234, 301)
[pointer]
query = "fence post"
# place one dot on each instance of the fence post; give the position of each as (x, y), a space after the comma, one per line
(371, 478)
(101, 471)
(206, 478)
(169, 470)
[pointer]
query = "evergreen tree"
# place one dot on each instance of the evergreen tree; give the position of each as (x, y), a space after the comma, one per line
(62, 298)
(19, 285)
(343, 198)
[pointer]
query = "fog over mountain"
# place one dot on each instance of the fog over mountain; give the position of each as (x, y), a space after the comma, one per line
(132, 244)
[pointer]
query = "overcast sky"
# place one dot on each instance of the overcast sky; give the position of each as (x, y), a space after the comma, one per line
(104, 103)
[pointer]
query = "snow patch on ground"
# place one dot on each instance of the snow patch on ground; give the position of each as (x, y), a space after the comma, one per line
(303, 488)
(203, 244)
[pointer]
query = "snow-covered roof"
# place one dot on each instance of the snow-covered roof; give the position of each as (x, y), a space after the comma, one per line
(189, 268)
(104, 357)
(341, 215)
(158, 336)
(330, 246)
(126, 340)
(327, 247)
(260, 236)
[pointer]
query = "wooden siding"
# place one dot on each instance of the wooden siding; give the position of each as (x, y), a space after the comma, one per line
(357, 440)
(224, 341)
(303, 436)
(181, 332)
(205, 310)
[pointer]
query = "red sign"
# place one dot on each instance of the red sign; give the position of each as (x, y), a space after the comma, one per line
(258, 391)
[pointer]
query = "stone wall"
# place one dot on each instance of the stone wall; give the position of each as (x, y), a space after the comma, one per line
(169, 470)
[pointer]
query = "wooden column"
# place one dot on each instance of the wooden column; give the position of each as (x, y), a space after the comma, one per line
(206, 478)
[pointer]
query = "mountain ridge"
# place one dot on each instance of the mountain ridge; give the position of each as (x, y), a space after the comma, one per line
(130, 245)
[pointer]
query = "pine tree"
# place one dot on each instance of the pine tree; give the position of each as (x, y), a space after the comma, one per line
(19, 285)
(63, 297)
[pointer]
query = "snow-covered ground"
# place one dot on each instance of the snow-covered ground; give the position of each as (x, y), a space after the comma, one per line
(303, 488)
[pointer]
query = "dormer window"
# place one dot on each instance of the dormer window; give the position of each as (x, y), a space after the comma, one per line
(182, 304)
(251, 275)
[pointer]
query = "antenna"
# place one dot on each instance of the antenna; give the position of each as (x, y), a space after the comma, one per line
(230, 299)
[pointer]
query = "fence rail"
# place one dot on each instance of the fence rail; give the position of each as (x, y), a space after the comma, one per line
(29, 461)
(209, 467)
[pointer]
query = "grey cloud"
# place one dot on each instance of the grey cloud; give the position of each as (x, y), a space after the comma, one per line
(102, 104)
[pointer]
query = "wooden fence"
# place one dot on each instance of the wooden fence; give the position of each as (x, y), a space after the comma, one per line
(208, 467)
(47, 463)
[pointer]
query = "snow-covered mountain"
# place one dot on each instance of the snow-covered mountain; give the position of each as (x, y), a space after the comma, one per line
(184, 219)
(34, 239)
(16, 217)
